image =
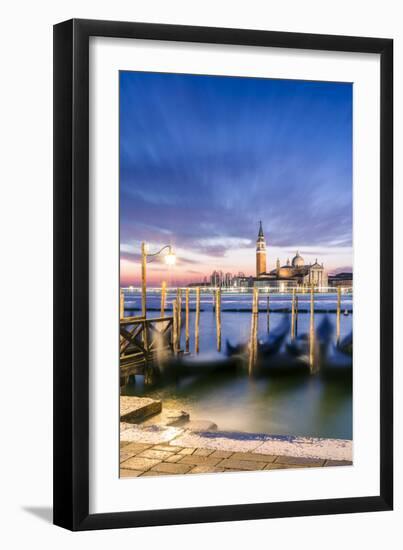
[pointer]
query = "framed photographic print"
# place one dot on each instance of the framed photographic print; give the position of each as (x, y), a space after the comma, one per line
(223, 227)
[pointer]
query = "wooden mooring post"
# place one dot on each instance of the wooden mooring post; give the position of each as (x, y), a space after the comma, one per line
(187, 339)
(175, 326)
(163, 297)
(179, 317)
(197, 319)
(312, 331)
(296, 316)
(122, 305)
(218, 317)
(338, 315)
(253, 331)
(293, 315)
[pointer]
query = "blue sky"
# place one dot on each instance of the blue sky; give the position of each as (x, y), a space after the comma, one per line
(204, 158)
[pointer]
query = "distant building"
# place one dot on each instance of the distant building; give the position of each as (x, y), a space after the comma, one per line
(294, 273)
(344, 279)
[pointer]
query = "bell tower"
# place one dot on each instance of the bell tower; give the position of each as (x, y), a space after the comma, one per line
(260, 252)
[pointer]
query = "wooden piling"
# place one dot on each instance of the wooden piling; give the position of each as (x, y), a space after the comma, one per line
(197, 319)
(122, 305)
(187, 340)
(296, 316)
(253, 331)
(293, 315)
(338, 315)
(175, 326)
(218, 317)
(179, 315)
(163, 297)
(312, 331)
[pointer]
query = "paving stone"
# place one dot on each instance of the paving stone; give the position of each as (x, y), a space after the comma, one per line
(258, 457)
(168, 468)
(152, 473)
(136, 448)
(137, 463)
(200, 460)
(129, 473)
(203, 452)
(152, 453)
(278, 466)
(124, 455)
(170, 448)
(338, 463)
(241, 464)
(136, 409)
(205, 470)
(221, 454)
(174, 458)
(186, 451)
(300, 460)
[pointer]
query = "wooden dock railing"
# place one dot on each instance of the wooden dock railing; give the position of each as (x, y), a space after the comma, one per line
(144, 341)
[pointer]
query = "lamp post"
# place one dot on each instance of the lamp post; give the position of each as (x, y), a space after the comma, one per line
(170, 259)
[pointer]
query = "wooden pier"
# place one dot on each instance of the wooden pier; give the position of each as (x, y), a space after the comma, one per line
(144, 341)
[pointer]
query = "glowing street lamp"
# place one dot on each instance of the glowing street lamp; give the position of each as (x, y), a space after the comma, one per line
(170, 259)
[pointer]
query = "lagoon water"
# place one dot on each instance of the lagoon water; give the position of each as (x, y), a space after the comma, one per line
(286, 405)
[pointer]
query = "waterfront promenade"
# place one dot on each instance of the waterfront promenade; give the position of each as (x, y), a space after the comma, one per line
(151, 448)
(145, 459)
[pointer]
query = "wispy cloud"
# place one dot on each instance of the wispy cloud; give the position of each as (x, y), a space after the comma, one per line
(204, 158)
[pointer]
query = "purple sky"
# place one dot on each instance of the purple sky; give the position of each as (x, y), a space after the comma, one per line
(203, 159)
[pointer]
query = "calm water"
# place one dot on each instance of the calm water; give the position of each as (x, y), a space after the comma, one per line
(292, 405)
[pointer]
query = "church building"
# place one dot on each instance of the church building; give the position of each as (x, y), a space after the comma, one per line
(293, 274)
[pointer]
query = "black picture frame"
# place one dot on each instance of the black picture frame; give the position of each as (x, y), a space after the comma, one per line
(71, 274)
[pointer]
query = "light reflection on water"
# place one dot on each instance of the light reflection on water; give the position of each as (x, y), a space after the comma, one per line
(288, 405)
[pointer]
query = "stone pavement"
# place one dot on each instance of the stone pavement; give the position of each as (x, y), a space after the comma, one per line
(148, 459)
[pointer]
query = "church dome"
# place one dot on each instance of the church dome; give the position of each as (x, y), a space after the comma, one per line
(298, 261)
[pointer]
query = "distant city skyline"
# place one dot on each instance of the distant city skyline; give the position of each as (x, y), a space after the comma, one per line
(203, 159)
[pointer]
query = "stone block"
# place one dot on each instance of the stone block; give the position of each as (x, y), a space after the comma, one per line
(338, 463)
(205, 470)
(258, 457)
(136, 463)
(170, 448)
(174, 458)
(200, 426)
(152, 453)
(186, 451)
(203, 452)
(137, 409)
(168, 468)
(136, 448)
(175, 417)
(300, 460)
(200, 460)
(241, 464)
(221, 454)
(128, 473)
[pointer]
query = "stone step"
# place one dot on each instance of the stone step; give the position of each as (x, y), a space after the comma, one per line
(137, 409)
(200, 426)
(168, 417)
